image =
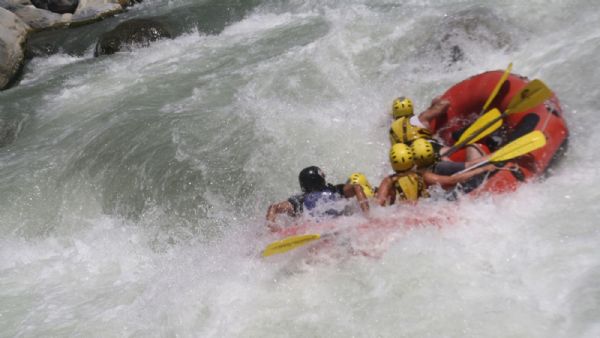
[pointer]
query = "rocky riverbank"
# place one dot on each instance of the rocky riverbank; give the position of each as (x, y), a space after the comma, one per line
(51, 28)
(19, 18)
(22, 41)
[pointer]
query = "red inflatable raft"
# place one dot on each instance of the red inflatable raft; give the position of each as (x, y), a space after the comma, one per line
(466, 101)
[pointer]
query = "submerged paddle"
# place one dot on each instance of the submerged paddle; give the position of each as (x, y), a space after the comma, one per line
(532, 95)
(289, 243)
(521, 146)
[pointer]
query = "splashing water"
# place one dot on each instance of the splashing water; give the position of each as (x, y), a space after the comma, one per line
(134, 186)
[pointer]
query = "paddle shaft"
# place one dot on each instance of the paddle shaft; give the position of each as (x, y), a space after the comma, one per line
(497, 88)
(475, 166)
(521, 146)
(458, 146)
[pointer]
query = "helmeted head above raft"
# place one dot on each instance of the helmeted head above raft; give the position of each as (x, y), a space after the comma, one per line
(423, 152)
(401, 157)
(402, 107)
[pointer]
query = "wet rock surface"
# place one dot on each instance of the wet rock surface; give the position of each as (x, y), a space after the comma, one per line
(130, 34)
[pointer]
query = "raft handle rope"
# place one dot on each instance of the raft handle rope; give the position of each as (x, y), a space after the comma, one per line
(515, 171)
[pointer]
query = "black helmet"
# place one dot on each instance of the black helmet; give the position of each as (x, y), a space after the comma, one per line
(312, 179)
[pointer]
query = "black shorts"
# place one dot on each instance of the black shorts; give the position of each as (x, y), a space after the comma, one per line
(447, 168)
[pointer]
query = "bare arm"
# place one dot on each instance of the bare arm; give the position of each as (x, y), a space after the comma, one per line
(438, 106)
(276, 209)
(475, 161)
(385, 193)
(351, 190)
(448, 181)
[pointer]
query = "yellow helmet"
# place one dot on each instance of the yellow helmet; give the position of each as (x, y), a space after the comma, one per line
(401, 157)
(423, 152)
(402, 107)
(402, 131)
(361, 179)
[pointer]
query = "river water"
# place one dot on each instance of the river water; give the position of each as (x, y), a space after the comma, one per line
(134, 190)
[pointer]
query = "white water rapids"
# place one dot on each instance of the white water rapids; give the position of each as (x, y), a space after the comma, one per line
(132, 198)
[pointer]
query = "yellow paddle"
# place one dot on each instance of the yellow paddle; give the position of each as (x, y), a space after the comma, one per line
(532, 95)
(288, 243)
(492, 114)
(497, 88)
(521, 146)
(485, 123)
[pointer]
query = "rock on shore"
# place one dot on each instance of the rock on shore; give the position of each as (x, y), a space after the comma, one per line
(57, 13)
(19, 17)
(13, 33)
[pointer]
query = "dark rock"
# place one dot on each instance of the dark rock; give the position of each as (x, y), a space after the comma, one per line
(63, 6)
(456, 54)
(57, 6)
(131, 33)
(474, 26)
(128, 3)
(41, 4)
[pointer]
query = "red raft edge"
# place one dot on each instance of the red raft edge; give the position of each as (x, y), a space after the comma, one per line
(466, 101)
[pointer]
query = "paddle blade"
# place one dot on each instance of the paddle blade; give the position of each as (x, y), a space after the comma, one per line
(497, 88)
(521, 146)
(484, 125)
(288, 243)
(532, 95)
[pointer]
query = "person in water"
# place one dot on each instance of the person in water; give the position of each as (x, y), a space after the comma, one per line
(315, 197)
(408, 185)
(361, 179)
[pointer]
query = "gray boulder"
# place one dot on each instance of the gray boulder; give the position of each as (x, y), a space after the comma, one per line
(13, 33)
(129, 34)
(11, 4)
(47, 13)
(40, 18)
